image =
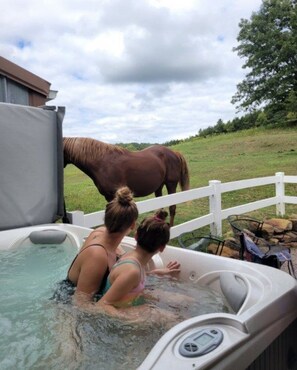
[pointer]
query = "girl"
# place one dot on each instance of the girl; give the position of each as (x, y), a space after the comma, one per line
(126, 281)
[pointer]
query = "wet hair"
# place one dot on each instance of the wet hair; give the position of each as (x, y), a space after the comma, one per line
(153, 232)
(121, 212)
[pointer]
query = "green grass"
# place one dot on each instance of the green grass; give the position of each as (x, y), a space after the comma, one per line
(228, 157)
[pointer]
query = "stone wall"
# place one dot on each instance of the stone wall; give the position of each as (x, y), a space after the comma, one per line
(274, 230)
(284, 231)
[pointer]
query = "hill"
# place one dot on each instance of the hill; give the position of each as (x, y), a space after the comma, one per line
(226, 157)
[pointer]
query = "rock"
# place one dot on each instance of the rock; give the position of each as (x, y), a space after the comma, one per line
(212, 248)
(290, 236)
(294, 224)
(273, 241)
(279, 224)
(230, 252)
(278, 237)
(232, 243)
(267, 230)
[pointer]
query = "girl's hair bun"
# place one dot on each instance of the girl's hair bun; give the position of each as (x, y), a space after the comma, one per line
(161, 215)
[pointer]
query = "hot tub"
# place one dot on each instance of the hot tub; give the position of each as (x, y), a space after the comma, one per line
(262, 302)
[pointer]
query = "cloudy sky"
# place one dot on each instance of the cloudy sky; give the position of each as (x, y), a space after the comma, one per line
(131, 70)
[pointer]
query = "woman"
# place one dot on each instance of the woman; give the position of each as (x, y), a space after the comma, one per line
(88, 271)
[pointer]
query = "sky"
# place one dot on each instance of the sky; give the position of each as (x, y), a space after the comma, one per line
(131, 70)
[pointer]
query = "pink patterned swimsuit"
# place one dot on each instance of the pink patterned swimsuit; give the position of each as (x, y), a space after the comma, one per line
(134, 297)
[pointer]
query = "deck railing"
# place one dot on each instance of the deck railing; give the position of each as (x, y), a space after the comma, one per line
(213, 191)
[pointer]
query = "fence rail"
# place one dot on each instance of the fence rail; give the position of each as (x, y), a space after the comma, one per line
(214, 192)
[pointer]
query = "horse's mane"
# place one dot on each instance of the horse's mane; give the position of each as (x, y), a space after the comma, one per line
(83, 149)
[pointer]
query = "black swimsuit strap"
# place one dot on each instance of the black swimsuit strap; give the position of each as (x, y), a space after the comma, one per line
(91, 245)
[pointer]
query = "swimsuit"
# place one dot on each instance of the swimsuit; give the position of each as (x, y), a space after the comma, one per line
(134, 297)
(66, 288)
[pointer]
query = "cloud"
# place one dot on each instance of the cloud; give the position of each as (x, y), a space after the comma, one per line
(145, 70)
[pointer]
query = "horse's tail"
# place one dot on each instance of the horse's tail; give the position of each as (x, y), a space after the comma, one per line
(184, 180)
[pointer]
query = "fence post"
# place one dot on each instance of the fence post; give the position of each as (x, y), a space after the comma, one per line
(280, 193)
(76, 218)
(215, 207)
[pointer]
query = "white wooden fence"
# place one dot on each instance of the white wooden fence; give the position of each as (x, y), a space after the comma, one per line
(213, 191)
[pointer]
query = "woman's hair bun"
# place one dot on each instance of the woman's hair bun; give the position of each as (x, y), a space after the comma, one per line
(124, 196)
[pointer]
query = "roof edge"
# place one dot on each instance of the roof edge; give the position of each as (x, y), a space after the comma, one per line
(26, 78)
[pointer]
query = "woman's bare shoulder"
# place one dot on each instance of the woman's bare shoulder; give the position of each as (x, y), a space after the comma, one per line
(97, 233)
(99, 230)
(94, 248)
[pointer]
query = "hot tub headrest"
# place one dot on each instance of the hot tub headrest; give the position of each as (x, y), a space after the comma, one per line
(234, 289)
(49, 236)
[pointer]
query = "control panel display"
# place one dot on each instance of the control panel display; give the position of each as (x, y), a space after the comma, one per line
(201, 342)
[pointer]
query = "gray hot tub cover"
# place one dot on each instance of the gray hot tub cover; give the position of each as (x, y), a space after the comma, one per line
(31, 165)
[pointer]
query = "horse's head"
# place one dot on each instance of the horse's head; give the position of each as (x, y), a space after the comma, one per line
(65, 161)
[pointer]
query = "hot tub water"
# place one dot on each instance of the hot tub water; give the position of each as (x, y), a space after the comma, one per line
(36, 332)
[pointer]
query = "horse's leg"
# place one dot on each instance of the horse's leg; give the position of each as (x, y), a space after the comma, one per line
(158, 192)
(171, 189)
(172, 211)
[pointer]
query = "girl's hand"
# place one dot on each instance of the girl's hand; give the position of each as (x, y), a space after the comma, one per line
(172, 268)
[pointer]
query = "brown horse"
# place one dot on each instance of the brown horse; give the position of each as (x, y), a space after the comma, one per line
(144, 172)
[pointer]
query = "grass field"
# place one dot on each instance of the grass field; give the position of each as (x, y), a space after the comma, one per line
(227, 157)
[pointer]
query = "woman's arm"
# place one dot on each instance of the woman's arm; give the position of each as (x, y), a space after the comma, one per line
(90, 277)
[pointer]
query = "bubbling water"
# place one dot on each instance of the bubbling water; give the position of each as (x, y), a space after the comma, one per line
(36, 332)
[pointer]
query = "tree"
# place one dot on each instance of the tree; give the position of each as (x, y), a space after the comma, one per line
(291, 107)
(261, 119)
(268, 41)
(219, 128)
